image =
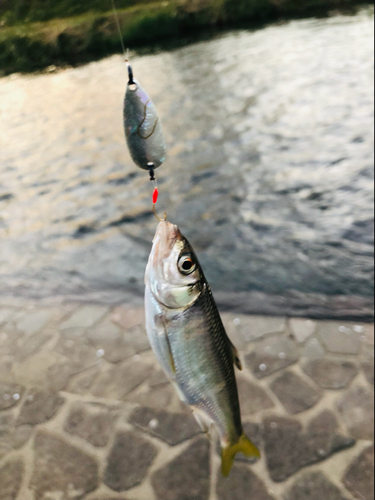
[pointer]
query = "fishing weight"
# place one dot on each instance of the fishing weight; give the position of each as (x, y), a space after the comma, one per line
(143, 129)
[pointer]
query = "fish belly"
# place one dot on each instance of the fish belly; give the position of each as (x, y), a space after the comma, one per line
(157, 334)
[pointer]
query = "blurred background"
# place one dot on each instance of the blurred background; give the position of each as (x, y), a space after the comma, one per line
(268, 113)
(270, 152)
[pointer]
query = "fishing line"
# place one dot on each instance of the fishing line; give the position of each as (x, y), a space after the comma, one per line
(119, 29)
(146, 145)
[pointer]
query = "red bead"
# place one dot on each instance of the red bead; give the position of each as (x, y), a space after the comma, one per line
(155, 196)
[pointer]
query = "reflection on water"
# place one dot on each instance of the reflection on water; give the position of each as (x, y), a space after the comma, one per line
(269, 171)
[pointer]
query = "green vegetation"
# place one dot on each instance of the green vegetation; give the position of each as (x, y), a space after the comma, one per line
(44, 10)
(35, 34)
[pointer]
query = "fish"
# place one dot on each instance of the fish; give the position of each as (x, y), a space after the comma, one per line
(190, 343)
(143, 128)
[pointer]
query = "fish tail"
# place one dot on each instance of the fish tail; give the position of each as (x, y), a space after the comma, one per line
(244, 445)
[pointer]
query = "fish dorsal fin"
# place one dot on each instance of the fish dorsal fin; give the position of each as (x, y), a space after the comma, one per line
(236, 356)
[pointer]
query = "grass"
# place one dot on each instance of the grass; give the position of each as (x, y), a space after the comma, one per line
(32, 38)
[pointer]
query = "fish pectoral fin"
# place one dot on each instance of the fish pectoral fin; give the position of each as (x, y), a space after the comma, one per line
(164, 346)
(161, 345)
(170, 355)
(244, 445)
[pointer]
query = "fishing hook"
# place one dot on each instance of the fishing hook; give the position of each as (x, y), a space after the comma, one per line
(156, 215)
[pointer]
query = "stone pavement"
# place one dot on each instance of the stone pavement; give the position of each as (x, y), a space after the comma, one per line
(85, 412)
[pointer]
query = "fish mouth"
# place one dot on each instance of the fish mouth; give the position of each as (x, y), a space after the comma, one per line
(166, 236)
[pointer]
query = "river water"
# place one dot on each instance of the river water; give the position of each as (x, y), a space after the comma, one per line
(269, 173)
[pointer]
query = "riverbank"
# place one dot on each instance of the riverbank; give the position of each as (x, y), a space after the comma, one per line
(27, 46)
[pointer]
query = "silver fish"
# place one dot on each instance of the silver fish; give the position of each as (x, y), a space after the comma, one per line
(189, 340)
(143, 129)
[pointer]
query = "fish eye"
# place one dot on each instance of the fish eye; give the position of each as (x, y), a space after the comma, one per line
(133, 87)
(186, 264)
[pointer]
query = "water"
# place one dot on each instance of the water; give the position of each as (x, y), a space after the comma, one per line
(269, 171)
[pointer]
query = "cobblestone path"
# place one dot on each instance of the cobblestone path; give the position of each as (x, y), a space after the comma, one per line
(85, 412)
